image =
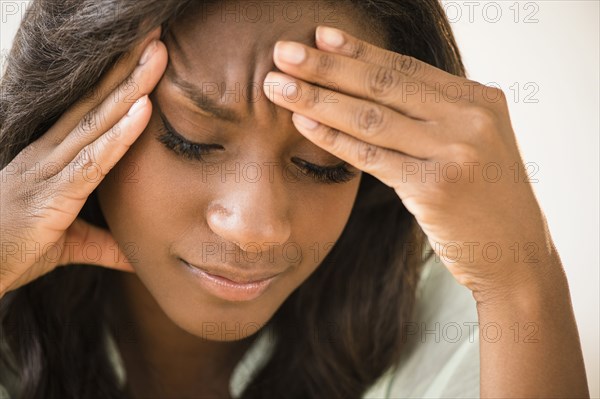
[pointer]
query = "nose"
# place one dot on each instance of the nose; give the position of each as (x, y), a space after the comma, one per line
(253, 213)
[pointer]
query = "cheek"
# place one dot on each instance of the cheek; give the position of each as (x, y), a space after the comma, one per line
(136, 197)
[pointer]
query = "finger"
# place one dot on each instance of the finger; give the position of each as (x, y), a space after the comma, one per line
(379, 162)
(41, 148)
(79, 179)
(88, 244)
(101, 119)
(340, 42)
(112, 79)
(362, 119)
(361, 79)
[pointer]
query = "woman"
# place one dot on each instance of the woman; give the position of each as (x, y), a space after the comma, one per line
(175, 167)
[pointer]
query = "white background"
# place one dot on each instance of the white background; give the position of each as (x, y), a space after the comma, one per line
(545, 56)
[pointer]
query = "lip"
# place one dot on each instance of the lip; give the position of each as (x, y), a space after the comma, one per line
(228, 287)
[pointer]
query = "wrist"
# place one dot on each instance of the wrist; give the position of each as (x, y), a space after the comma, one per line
(526, 289)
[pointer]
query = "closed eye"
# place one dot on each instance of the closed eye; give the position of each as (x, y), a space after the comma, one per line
(190, 150)
(182, 146)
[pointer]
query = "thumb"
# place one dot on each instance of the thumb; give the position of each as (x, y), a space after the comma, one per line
(95, 246)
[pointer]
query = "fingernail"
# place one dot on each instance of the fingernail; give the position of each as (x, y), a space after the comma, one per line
(138, 105)
(330, 36)
(149, 52)
(289, 52)
(305, 122)
(280, 85)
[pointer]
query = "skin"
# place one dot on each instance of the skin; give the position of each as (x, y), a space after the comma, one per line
(379, 124)
(171, 208)
(385, 125)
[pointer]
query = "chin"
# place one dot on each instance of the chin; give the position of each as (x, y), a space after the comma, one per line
(231, 323)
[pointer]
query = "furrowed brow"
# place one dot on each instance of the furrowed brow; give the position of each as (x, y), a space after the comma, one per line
(200, 99)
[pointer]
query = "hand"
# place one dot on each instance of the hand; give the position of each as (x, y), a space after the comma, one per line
(443, 142)
(45, 186)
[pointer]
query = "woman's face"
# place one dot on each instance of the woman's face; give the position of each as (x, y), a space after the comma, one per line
(245, 210)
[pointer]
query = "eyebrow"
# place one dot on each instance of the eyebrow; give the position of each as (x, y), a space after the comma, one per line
(204, 103)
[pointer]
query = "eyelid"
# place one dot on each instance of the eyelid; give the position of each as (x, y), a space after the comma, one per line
(325, 167)
(174, 132)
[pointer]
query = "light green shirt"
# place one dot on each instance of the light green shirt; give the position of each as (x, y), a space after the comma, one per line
(441, 357)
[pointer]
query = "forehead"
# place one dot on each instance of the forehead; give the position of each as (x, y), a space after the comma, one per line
(234, 40)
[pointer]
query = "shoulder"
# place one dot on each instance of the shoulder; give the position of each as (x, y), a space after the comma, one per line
(441, 356)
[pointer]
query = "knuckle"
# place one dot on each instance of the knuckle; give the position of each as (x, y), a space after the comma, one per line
(494, 95)
(498, 92)
(330, 138)
(469, 91)
(462, 152)
(128, 81)
(370, 120)
(481, 118)
(89, 122)
(381, 82)
(406, 64)
(359, 50)
(368, 155)
(325, 64)
(85, 158)
(310, 98)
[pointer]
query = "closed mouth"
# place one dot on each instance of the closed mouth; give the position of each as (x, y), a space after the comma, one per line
(233, 277)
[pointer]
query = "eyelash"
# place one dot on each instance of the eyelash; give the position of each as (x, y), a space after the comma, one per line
(195, 151)
(327, 175)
